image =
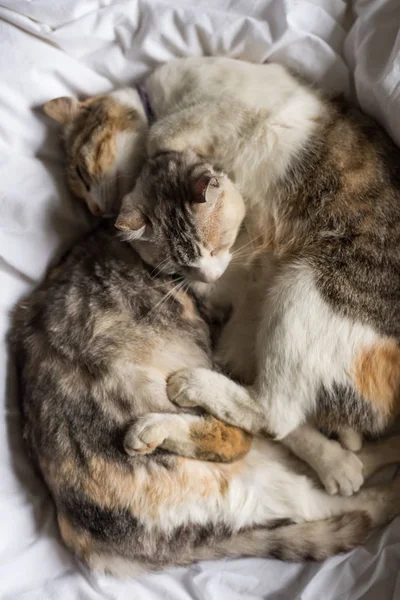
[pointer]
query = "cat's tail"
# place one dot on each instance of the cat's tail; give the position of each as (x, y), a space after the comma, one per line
(317, 540)
(314, 540)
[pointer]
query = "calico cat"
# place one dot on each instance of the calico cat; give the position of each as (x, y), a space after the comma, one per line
(321, 184)
(94, 345)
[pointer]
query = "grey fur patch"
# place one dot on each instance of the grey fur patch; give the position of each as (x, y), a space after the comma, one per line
(343, 193)
(344, 407)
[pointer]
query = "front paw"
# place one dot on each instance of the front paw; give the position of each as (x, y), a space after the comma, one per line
(183, 388)
(342, 473)
(145, 435)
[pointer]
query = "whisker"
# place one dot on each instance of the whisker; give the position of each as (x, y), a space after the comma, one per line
(157, 270)
(161, 263)
(159, 285)
(166, 296)
(235, 252)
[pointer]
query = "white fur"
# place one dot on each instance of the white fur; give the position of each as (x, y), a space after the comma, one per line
(212, 267)
(129, 97)
(303, 345)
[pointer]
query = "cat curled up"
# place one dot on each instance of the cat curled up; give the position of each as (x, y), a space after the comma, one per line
(321, 183)
(130, 473)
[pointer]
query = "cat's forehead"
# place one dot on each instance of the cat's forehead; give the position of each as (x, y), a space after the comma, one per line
(101, 113)
(91, 138)
(166, 182)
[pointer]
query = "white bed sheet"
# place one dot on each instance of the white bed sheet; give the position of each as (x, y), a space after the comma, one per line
(50, 48)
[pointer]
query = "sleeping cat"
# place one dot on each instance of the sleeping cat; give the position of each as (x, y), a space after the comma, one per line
(94, 345)
(104, 141)
(321, 184)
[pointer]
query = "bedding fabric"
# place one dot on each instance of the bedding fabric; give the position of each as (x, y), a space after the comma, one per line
(51, 48)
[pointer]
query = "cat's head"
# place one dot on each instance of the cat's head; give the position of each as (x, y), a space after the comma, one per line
(183, 216)
(104, 140)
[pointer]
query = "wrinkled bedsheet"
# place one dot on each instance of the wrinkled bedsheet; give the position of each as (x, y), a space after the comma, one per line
(50, 48)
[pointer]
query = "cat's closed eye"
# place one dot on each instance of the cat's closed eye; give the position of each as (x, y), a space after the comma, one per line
(83, 178)
(216, 250)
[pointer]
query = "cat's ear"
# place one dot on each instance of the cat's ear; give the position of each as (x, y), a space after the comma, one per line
(133, 223)
(63, 110)
(207, 188)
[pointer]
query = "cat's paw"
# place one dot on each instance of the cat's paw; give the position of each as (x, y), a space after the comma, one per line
(184, 388)
(146, 434)
(342, 472)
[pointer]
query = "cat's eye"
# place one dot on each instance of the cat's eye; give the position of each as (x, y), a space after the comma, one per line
(82, 178)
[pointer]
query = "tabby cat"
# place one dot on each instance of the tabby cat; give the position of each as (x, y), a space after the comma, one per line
(95, 343)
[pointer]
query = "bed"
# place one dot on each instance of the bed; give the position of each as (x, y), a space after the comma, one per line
(51, 48)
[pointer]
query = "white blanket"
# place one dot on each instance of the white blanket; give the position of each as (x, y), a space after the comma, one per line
(50, 48)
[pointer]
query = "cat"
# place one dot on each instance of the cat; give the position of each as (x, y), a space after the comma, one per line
(321, 184)
(104, 140)
(94, 346)
(325, 349)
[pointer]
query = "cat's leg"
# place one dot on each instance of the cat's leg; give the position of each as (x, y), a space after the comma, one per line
(193, 436)
(350, 439)
(307, 355)
(219, 395)
(203, 438)
(338, 468)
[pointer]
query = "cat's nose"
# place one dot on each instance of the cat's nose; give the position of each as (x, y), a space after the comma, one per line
(210, 269)
(97, 211)
(94, 209)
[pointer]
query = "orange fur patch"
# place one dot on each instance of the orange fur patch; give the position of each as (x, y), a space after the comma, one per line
(213, 437)
(211, 226)
(144, 491)
(78, 541)
(376, 375)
